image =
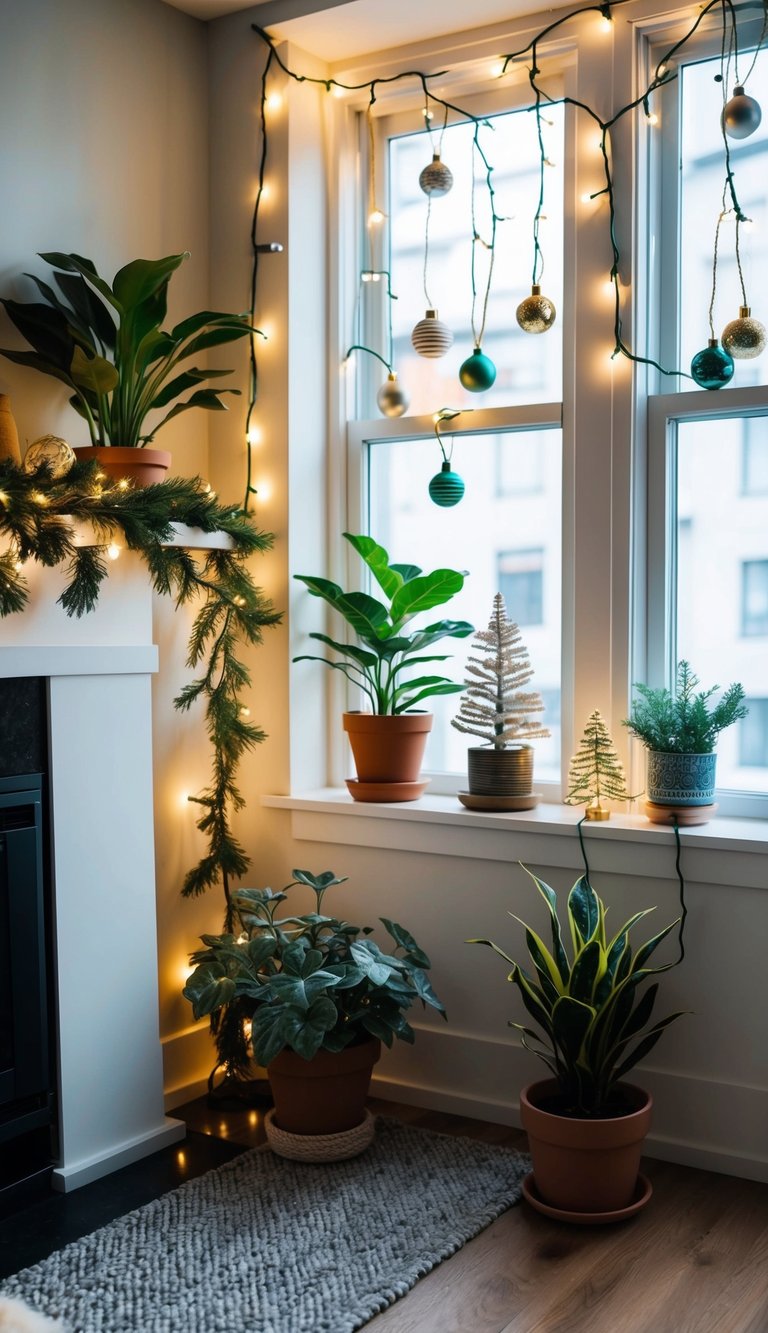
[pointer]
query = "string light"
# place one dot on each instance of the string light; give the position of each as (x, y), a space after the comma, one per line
(275, 101)
(375, 217)
(113, 551)
(254, 436)
(498, 69)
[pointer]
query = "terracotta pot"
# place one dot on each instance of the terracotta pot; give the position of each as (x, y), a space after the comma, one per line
(9, 436)
(388, 749)
(324, 1095)
(507, 772)
(586, 1166)
(141, 466)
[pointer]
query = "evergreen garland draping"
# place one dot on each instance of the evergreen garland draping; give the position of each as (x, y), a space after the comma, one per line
(39, 520)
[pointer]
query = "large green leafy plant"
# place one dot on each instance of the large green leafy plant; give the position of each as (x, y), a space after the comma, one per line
(683, 722)
(385, 651)
(108, 346)
(309, 982)
(588, 1007)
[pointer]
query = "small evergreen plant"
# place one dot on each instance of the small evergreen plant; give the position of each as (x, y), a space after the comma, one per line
(683, 722)
(495, 707)
(596, 769)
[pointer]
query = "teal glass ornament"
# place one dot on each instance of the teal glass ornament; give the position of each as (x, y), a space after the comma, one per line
(712, 367)
(478, 372)
(446, 488)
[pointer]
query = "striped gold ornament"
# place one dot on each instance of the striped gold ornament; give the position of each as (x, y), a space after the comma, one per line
(431, 337)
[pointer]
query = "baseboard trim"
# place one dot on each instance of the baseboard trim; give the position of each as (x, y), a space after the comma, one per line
(66, 1178)
(685, 1152)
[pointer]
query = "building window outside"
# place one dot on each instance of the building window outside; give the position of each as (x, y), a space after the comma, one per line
(521, 583)
(754, 597)
(754, 456)
(753, 735)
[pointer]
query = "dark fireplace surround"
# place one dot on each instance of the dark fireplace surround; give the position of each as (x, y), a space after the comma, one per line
(27, 1102)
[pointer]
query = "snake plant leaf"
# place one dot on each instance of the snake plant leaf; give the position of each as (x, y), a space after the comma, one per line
(496, 949)
(645, 950)
(93, 373)
(377, 560)
(404, 940)
(424, 592)
(542, 958)
(533, 998)
(647, 1044)
(588, 968)
(526, 1036)
(583, 912)
(571, 1021)
(558, 948)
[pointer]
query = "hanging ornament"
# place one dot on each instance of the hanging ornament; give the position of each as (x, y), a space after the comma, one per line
(712, 367)
(392, 399)
(536, 314)
(744, 338)
(478, 372)
(52, 452)
(742, 115)
(446, 487)
(436, 178)
(431, 337)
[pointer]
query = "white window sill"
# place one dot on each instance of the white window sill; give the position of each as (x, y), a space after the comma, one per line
(441, 826)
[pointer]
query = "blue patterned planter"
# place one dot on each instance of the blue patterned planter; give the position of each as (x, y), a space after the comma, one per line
(681, 779)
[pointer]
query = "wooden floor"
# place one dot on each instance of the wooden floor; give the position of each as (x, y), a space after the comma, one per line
(694, 1261)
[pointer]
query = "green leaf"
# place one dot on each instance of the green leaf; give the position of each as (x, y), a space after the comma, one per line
(444, 629)
(424, 592)
(409, 702)
(359, 655)
(142, 279)
(77, 264)
(407, 572)
(542, 958)
(36, 362)
(94, 373)
(571, 1021)
(583, 909)
(647, 1044)
(205, 319)
(424, 989)
(47, 330)
(377, 973)
(405, 940)
(377, 560)
(366, 616)
(550, 898)
(645, 950)
(92, 312)
(208, 988)
(180, 383)
(588, 968)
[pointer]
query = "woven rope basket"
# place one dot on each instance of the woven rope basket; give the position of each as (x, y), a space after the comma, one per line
(320, 1147)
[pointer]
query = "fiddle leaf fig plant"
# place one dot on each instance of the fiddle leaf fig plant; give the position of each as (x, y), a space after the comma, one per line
(375, 665)
(593, 1023)
(310, 982)
(107, 344)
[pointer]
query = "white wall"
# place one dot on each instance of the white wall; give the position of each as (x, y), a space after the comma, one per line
(105, 152)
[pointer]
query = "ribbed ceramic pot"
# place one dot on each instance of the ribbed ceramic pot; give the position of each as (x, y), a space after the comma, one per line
(507, 772)
(585, 1165)
(681, 779)
(143, 467)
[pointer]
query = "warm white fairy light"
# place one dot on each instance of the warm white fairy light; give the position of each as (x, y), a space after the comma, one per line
(255, 436)
(275, 101)
(375, 217)
(245, 712)
(123, 484)
(183, 800)
(337, 90)
(652, 118)
(498, 69)
(114, 551)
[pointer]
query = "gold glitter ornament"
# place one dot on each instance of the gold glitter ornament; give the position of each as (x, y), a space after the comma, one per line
(52, 452)
(392, 399)
(536, 314)
(436, 179)
(744, 338)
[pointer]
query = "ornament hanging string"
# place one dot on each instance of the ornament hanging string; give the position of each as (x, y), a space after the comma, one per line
(490, 246)
(437, 153)
(538, 257)
(721, 217)
(253, 368)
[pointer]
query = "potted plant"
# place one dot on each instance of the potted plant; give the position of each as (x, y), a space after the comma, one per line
(321, 997)
(108, 346)
(497, 709)
(388, 742)
(679, 731)
(585, 1125)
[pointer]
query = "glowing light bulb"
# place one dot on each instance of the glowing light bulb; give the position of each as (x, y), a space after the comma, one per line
(264, 491)
(239, 601)
(184, 800)
(337, 90)
(254, 435)
(652, 118)
(586, 198)
(245, 712)
(101, 476)
(366, 277)
(275, 101)
(39, 498)
(605, 23)
(497, 69)
(123, 484)
(113, 551)
(253, 1119)
(181, 1158)
(3, 498)
(375, 277)
(427, 114)
(375, 218)
(661, 71)
(608, 287)
(266, 190)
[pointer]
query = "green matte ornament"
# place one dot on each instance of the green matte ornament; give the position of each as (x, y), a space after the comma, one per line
(478, 372)
(446, 488)
(712, 367)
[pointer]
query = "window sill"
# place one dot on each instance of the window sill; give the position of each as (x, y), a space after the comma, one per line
(439, 825)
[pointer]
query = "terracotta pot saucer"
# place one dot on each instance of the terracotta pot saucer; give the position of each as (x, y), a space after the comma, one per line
(643, 1192)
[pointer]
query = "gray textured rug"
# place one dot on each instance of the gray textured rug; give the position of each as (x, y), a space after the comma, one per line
(266, 1245)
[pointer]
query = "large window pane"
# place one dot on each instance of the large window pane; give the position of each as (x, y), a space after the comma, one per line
(493, 535)
(528, 365)
(722, 584)
(702, 179)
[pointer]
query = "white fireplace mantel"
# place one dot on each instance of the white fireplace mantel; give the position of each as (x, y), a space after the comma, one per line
(99, 669)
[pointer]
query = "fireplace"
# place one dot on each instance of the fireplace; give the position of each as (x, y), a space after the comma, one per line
(84, 689)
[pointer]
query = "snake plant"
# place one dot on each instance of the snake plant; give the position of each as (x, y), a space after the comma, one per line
(595, 1024)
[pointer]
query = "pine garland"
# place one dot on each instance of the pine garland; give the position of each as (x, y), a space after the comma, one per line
(596, 769)
(38, 517)
(494, 705)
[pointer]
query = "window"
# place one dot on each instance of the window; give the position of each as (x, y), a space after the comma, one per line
(754, 456)
(753, 735)
(520, 579)
(520, 471)
(754, 596)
